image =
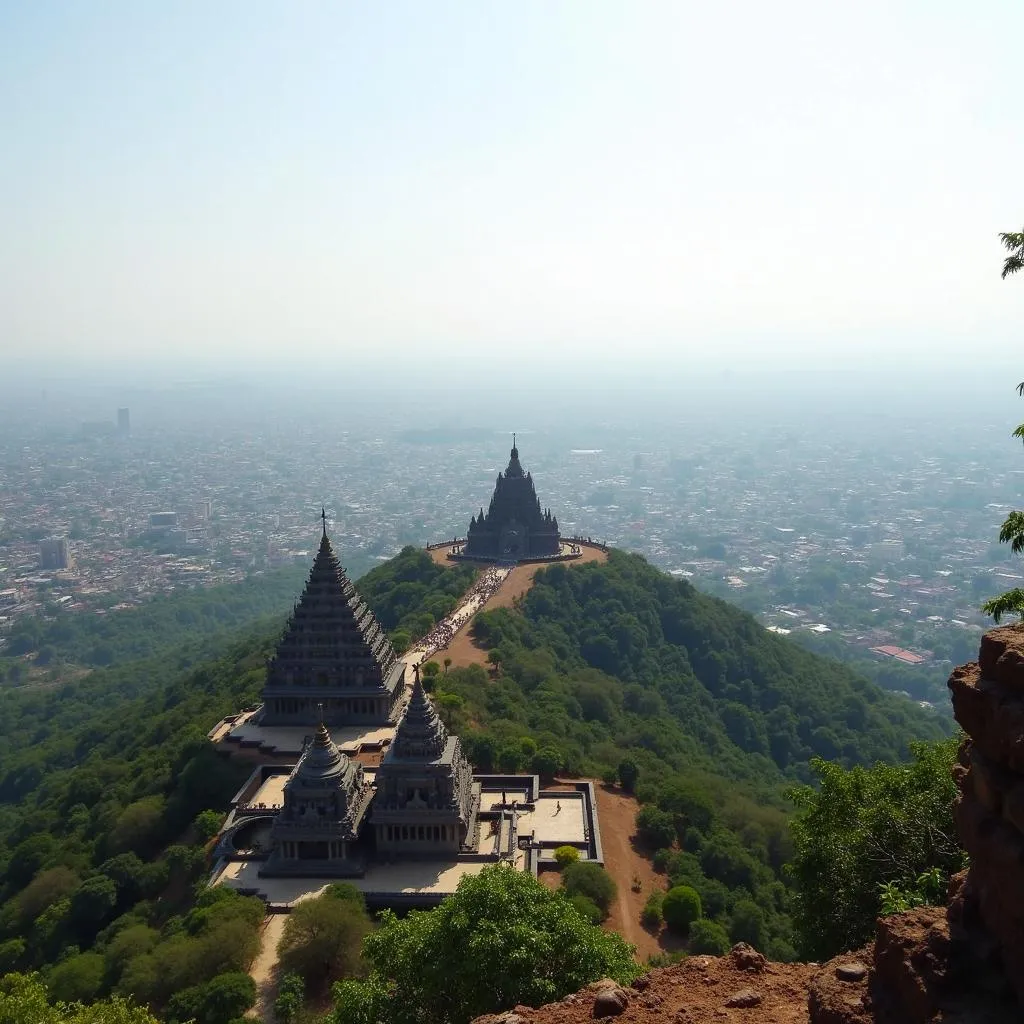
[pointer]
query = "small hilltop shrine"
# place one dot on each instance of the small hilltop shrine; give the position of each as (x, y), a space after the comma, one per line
(515, 527)
(356, 776)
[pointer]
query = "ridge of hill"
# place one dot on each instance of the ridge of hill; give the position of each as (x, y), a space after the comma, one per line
(109, 787)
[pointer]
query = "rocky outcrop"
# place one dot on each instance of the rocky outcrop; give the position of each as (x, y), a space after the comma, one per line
(739, 987)
(988, 702)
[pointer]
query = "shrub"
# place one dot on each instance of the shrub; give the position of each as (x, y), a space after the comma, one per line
(566, 855)
(656, 829)
(681, 908)
(651, 915)
(609, 776)
(747, 924)
(708, 937)
(593, 881)
(290, 993)
(661, 860)
(587, 907)
(322, 939)
(628, 773)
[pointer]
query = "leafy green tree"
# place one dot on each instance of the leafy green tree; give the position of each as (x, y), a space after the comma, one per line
(291, 991)
(566, 855)
(628, 773)
(653, 913)
(92, 905)
(207, 824)
(681, 908)
(546, 763)
(44, 890)
(587, 908)
(322, 939)
(863, 828)
(708, 937)
(78, 979)
(221, 1000)
(23, 1000)
(518, 942)
(747, 924)
(655, 828)
(592, 881)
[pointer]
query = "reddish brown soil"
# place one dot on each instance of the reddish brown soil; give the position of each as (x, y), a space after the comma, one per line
(462, 650)
(616, 817)
(696, 991)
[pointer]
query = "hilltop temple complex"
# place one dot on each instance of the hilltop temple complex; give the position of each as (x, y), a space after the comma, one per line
(357, 777)
(515, 527)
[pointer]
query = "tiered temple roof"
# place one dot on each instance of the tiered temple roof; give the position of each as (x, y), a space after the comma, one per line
(333, 653)
(326, 799)
(515, 526)
(426, 803)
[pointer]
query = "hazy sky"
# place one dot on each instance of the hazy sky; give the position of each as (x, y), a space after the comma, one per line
(296, 182)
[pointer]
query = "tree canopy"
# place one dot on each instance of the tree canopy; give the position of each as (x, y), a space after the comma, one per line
(502, 938)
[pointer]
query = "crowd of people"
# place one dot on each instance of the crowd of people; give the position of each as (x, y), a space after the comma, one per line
(483, 589)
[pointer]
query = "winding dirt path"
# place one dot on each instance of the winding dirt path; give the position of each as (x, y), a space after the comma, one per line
(264, 969)
(462, 650)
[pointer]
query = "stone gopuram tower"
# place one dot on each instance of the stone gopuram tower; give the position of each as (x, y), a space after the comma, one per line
(334, 654)
(426, 803)
(325, 801)
(515, 527)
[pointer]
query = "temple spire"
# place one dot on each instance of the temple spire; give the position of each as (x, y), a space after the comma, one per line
(323, 517)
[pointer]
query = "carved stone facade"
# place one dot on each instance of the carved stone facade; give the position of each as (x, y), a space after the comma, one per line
(515, 527)
(334, 659)
(426, 804)
(326, 799)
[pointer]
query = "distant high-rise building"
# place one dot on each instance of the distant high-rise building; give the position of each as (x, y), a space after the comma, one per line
(54, 553)
(124, 426)
(163, 520)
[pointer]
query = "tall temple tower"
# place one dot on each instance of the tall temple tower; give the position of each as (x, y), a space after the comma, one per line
(326, 799)
(426, 803)
(515, 526)
(333, 654)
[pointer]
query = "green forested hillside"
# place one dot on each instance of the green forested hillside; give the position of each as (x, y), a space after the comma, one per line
(108, 787)
(605, 666)
(623, 654)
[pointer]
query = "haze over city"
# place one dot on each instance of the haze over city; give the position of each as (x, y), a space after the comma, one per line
(439, 188)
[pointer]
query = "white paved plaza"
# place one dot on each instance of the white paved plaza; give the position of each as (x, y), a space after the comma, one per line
(407, 878)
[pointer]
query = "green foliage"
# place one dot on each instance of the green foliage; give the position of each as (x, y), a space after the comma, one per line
(747, 924)
(628, 772)
(78, 979)
(861, 829)
(411, 592)
(928, 890)
(655, 828)
(653, 913)
(680, 908)
(708, 937)
(1013, 242)
(516, 942)
(587, 908)
(566, 855)
(221, 1000)
(207, 824)
(291, 991)
(592, 881)
(322, 939)
(23, 1000)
